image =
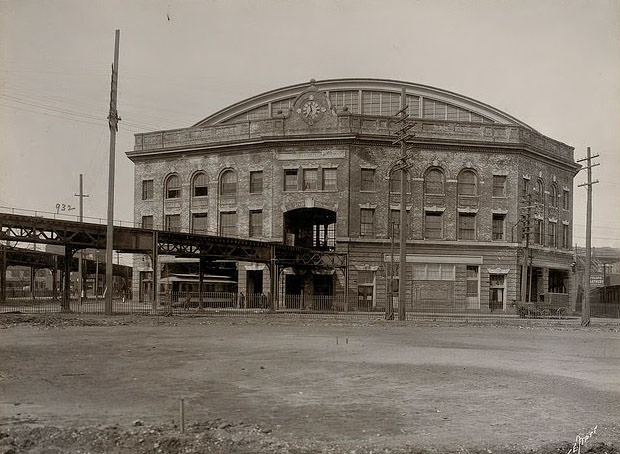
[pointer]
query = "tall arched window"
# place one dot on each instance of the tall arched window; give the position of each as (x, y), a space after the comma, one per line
(173, 187)
(553, 195)
(468, 183)
(228, 186)
(540, 192)
(395, 182)
(433, 182)
(200, 185)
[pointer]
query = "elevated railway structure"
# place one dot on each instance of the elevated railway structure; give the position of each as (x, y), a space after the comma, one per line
(74, 236)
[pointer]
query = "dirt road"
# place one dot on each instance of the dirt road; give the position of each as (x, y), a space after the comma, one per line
(316, 385)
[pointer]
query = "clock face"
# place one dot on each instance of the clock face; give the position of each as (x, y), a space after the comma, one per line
(310, 109)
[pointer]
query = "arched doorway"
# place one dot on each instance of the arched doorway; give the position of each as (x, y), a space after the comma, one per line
(310, 227)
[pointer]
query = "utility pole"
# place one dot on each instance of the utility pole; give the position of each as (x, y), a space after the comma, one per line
(526, 217)
(81, 195)
(403, 135)
(113, 119)
(585, 310)
(389, 307)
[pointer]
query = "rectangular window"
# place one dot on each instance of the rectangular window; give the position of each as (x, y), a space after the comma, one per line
(566, 199)
(147, 222)
(395, 183)
(330, 182)
(173, 222)
(526, 187)
(367, 222)
(498, 227)
(256, 182)
(565, 237)
(553, 234)
(394, 227)
(290, 180)
(342, 99)
(256, 223)
(228, 223)
(310, 179)
(199, 223)
(433, 225)
(147, 189)
(499, 186)
(371, 104)
(433, 272)
(368, 180)
(467, 226)
(472, 281)
(538, 231)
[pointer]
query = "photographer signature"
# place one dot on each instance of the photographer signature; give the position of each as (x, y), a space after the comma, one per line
(581, 441)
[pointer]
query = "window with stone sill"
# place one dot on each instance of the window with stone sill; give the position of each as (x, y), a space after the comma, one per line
(173, 222)
(367, 222)
(228, 186)
(433, 182)
(499, 186)
(566, 199)
(467, 183)
(256, 182)
(498, 233)
(256, 223)
(147, 189)
(147, 222)
(367, 180)
(228, 223)
(199, 223)
(173, 187)
(200, 185)
(310, 179)
(467, 226)
(330, 180)
(290, 179)
(433, 225)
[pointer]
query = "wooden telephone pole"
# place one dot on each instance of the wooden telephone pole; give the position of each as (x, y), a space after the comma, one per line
(527, 220)
(403, 135)
(113, 119)
(585, 308)
(81, 195)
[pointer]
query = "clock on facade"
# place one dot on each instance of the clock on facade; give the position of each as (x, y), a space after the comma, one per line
(311, 109)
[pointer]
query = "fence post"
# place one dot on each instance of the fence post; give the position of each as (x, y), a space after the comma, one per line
(3, 275)
(272, 281)
(66, 297)
(155, 260)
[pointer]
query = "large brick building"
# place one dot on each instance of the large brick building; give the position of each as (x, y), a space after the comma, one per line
(312, 165)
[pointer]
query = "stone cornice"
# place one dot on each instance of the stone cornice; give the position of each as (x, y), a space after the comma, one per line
(353, 129)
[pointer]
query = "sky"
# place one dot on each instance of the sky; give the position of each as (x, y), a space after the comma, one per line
(555, 65)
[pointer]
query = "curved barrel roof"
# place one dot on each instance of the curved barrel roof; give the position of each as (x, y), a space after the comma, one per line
(367, 97)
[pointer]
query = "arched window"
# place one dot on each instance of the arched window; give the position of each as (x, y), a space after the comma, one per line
(553, 195)
(540, 192)
(173, 187)
(395, 182)
(433, 182)
(228, 186)
(200, 185)
(467, 183)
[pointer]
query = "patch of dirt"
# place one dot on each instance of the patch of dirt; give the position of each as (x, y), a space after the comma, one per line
(74, 383)
(220, 437)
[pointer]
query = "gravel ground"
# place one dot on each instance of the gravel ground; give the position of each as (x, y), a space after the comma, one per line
(94, 384)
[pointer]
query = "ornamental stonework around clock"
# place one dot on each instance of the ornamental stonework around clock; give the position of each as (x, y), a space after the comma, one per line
(311, 108)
